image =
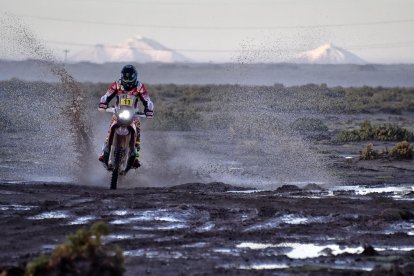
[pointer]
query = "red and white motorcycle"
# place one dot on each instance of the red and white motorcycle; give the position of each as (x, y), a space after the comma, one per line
(120, 151)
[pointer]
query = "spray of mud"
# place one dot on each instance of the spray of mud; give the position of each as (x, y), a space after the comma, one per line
(288, 156)
(259, 148)
(23, 41)
(240, 140)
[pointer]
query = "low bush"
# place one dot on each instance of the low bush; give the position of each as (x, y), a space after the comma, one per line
(385, 132)
(369, 153)
(402, 150)
(82, 254)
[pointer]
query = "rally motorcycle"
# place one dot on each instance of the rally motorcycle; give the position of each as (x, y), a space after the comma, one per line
(119, 153)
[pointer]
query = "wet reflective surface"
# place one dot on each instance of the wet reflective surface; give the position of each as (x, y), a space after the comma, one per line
(51, 215)
(291, 229)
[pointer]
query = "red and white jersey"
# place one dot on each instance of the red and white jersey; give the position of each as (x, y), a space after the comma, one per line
(138, 91)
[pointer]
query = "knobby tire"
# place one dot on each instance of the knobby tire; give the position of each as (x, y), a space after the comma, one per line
(115, 172)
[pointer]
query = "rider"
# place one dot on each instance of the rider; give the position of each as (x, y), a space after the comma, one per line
(127, 84)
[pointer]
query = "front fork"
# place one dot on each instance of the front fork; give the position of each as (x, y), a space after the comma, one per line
(121, 145)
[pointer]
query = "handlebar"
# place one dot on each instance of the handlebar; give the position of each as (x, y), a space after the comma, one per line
(112, 110)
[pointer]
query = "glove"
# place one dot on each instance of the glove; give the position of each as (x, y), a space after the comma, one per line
(103, 105)
(148, 113)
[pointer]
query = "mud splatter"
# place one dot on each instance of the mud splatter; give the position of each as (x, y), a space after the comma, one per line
(25, 43)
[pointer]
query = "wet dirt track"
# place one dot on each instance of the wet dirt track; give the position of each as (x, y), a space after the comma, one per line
(216, 228)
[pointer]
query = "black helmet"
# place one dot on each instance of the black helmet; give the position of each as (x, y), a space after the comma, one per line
(129, 77)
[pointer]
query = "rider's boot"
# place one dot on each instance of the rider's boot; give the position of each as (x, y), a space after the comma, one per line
(105, 153)
(136, 163)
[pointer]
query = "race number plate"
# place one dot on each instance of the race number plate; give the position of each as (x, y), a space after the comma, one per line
(126, 101)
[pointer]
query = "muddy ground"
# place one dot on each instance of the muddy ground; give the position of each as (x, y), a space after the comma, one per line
(217, 228)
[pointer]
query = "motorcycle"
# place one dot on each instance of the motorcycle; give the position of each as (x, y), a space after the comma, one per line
(119, 153)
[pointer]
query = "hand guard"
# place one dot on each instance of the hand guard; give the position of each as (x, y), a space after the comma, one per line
(148, 113)
(103, 105)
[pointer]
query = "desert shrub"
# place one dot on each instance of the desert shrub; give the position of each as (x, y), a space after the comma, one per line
(385, 132)
(308, 124)
(390, 132)
(402, 150)
(368, 153)
(82, 254)
(364, 133)
(372, 99)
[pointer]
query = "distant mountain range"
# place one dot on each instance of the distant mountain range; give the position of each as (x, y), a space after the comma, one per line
(137, 49)
(144, 50)
(328, 54)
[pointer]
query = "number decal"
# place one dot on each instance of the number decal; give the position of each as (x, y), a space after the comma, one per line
(126, 101)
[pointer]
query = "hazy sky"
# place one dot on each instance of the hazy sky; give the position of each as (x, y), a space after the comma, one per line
(380, 31)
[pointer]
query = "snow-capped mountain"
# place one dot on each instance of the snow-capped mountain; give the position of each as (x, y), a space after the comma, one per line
(137, 49)
(328, 54)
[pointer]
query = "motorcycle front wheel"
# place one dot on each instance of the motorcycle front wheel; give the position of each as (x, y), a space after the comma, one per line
(115, 172)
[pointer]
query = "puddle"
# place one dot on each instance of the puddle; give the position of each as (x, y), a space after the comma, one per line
(196, 245)
(118, 237)
(119, 213)
(304, 250)
(395, 248)
(206, 227)
(82, 220)
(135, 253)
(348, 156)
(255, 246)
(16, 207)
(274, 266)
(168, 226)
(350, 264)
(151, 253)
(310, 250)
(365, 190)
(292, 219)
(246, 191)
(51, 215)
(404, 227)
(141, 216)
(227, 251)
(264, 266)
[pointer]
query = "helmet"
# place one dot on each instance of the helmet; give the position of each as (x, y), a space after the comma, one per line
(129, 77)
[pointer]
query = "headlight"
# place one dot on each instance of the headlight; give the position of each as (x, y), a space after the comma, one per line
(125, 115)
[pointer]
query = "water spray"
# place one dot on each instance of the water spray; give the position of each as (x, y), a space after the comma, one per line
(31, 46)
